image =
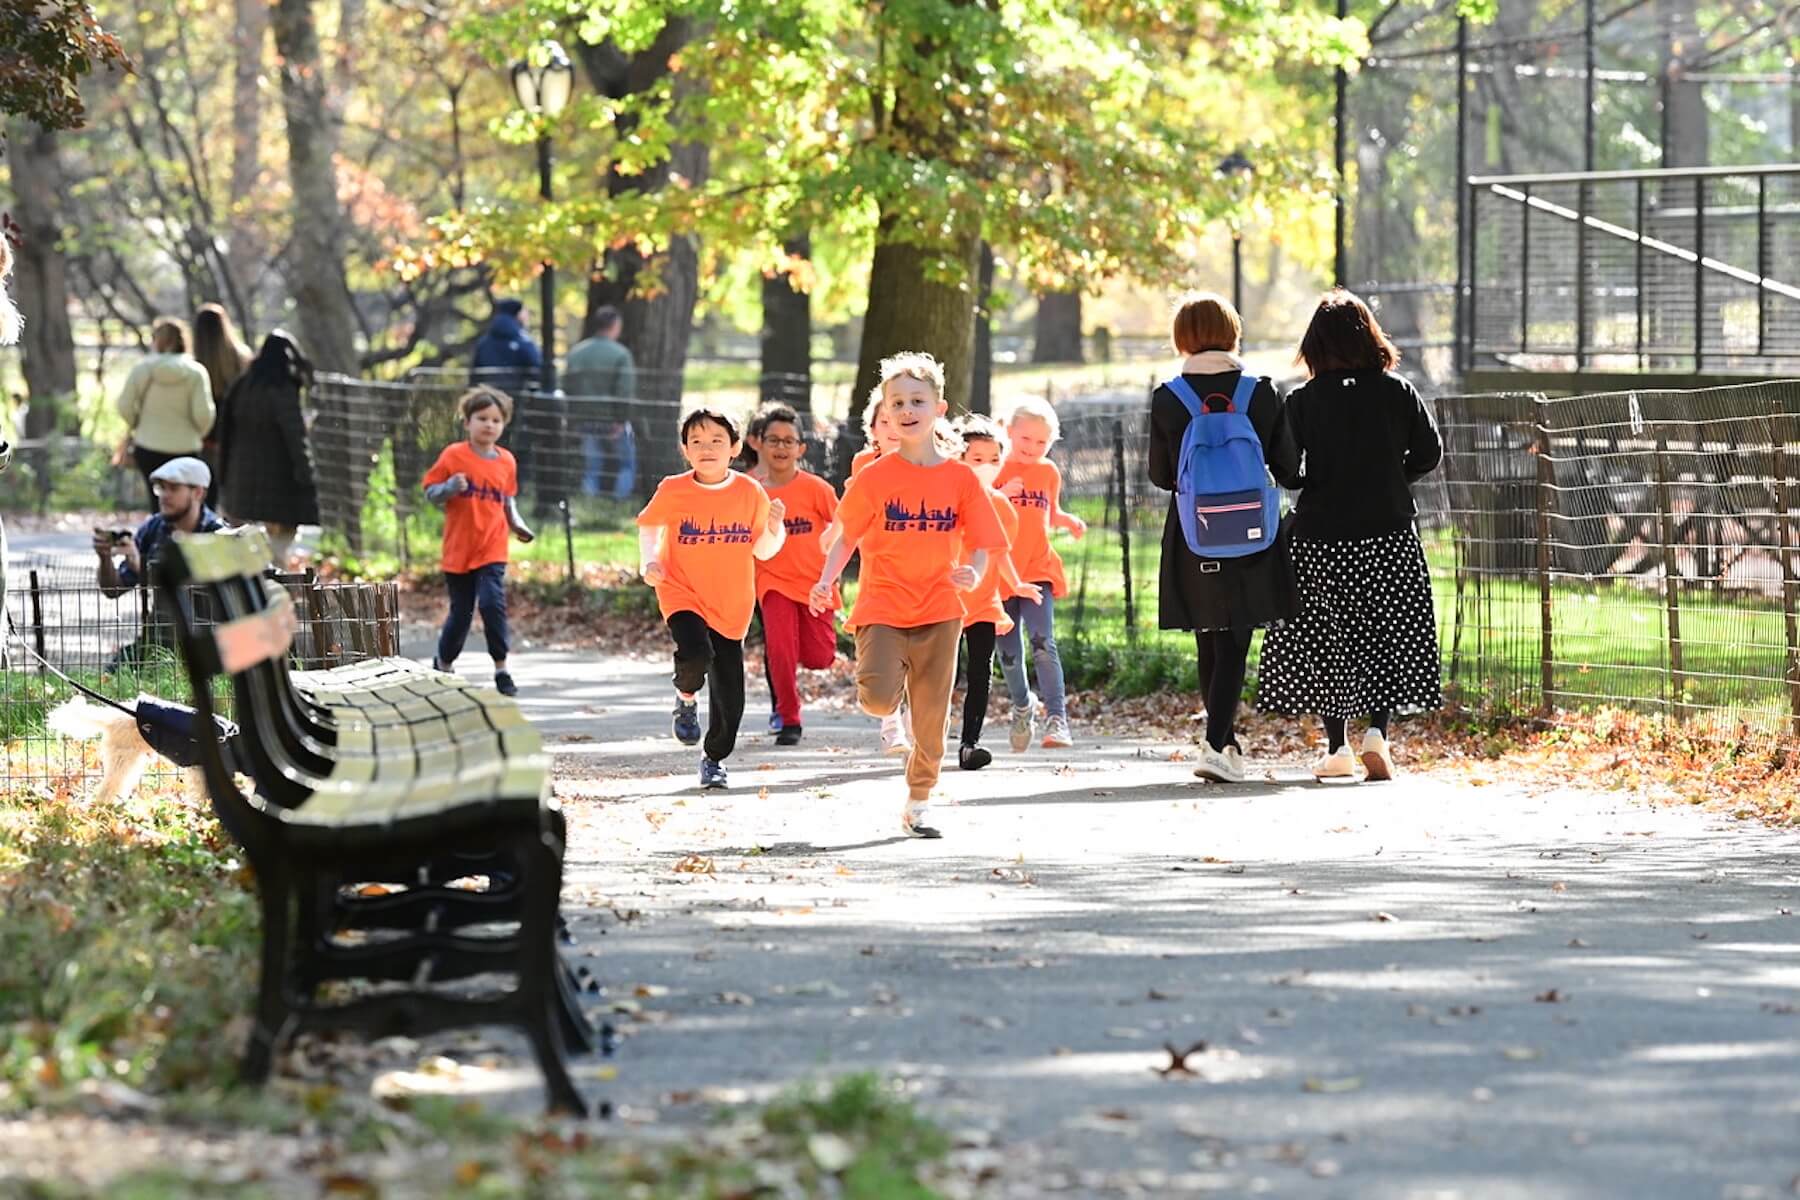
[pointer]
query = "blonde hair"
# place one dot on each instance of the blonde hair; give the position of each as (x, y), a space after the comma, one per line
(976, 428)
(1205, 321)
(1041, 410)
(913, 364)
(168, 336)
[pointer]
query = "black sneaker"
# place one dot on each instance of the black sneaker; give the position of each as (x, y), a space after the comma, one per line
(925, 832)
(503, 683)
(774, 722)
(712, 774)
(438, 666)
(686, 725)
(789, 736)
(973, 758)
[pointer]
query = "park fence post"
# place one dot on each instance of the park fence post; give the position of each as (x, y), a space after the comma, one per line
(1546, 618)
(1790, 586)
(568, 524)
(37, 620)
(1124, 490)
(1677, 675)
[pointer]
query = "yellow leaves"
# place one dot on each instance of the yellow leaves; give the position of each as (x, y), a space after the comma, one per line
(695, 864)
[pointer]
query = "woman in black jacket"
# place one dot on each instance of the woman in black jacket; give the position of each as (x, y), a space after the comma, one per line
(1366, 637)
(1222, 600)
(262, 445)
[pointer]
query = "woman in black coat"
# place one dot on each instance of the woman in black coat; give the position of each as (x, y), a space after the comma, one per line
(1222, 600)
(268, 466)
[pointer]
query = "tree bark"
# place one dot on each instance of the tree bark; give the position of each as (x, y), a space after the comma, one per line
(40, 279)
(981, 375)
(787, 337)
(249, 34)
(1685, 137)
(1057, 337)
(315, 264)
(910, 310)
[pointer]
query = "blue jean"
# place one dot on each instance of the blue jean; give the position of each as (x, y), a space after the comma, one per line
(483, 588)
(1038, 622)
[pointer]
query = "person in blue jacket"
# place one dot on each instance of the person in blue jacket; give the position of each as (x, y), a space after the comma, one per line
(506, 358)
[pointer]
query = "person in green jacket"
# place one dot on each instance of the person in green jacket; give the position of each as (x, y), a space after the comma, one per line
(167, 400)
(601, 369)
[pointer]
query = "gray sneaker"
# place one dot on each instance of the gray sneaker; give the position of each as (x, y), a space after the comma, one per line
(1024, 728)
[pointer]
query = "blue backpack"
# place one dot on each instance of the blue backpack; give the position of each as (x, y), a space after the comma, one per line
(1229, 506)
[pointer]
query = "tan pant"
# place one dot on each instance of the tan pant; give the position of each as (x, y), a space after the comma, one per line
(917, 666)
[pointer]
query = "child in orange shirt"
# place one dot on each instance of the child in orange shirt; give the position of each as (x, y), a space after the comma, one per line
(984, 614)
(699, 538)
(912, 514)
(1034, 485)
(793, 635)
(477, 482)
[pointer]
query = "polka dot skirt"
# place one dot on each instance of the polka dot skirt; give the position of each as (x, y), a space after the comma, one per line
(1366, 637)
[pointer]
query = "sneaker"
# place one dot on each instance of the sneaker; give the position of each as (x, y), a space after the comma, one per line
(1056, 734)
(775, 724)
(918, 829)
(1378, 760)
(1219, 765)
(789, 736)
(1235, 757)
(438, 666)
(1024, 728)
(503, 683)
(686, 725)
(1339, 764)
(893, 736)
(973, 758)
(712, 774)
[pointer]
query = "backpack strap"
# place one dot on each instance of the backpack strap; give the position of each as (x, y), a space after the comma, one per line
(1241, 395)
(1183, 391)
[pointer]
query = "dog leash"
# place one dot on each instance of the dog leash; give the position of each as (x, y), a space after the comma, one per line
(79, 686)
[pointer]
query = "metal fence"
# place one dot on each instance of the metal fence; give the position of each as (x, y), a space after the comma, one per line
(125, 646)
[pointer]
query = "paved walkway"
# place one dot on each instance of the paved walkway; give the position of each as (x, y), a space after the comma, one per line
(1421, 989)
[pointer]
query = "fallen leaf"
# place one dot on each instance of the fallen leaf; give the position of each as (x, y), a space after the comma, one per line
(737, 998)
(695, 864)
(1552, 996)
(762, 793)
(655, 818)
(1383, 916)
(469, 1171)
(649, 990)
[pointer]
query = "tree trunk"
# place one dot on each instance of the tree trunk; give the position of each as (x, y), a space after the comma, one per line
(40, 280)
(1057, 337)
(1685, 137)
(910, 310)
(315, 263)
(787, 337)
(981, 375)
(250, 33)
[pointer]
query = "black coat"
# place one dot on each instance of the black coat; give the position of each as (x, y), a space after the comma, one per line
(1222, 593)
(1364, 437)
(266, 467)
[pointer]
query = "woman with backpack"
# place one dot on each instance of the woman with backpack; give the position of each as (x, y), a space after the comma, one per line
(1365, 640)
(1222, 598)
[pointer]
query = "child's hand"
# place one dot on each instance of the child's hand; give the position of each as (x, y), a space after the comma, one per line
(819, 599)
(459, 483)
(1031, 592)
(654, 573)
(1012, 487)
(523, 533)
(777, 511)
(1075, 525)
(964, 578)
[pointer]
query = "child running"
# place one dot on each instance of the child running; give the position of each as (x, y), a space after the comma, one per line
(1034, 485)
(699, 538)
(793, 635)
(984, 612)
(913, 514)
(477, 482)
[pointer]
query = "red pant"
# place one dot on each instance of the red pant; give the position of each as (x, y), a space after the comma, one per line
(794, 638)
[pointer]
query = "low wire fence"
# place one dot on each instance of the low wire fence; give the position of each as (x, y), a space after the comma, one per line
(125, 646)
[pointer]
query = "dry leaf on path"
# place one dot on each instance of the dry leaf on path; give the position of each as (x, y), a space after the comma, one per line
(695, 864)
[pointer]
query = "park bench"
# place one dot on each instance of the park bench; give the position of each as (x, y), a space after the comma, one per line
(376, 790)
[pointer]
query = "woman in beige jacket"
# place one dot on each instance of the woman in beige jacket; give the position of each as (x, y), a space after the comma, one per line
(167, 401)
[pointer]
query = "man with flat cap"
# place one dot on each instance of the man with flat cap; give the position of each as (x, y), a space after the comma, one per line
(180, 486)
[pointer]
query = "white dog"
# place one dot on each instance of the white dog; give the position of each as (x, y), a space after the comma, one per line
(123, 751)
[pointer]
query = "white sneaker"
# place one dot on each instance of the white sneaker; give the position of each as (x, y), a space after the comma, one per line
(893, 735)
(1237, 758)
(1056, 733)
(1220, 766)
(1339, 764)
(1024, 728)
(1378, 759)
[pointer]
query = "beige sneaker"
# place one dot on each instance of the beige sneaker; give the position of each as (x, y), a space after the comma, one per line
(1024, 729)
(1220, 766)
(1056, 734)
(1378, 759)
(1340, 764)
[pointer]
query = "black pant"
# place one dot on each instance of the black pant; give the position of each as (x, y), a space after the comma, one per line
(1220, 655)
(704, 657)
(1336, 728)
(979, 638)
(148, 460)
(484, 588)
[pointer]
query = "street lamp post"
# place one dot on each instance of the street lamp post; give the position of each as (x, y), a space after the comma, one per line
(543, 81)
(1235, 167)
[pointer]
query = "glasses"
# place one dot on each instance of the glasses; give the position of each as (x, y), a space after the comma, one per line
(784, 442)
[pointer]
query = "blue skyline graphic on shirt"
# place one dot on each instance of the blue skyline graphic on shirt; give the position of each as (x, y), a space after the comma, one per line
(1032, 499)
(922, 520)
(689, 533)
(797, 525)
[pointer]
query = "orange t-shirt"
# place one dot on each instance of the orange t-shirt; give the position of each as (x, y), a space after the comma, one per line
(911, 524)
(475, 528)
(707, 558)
(1041, 496)
(863, 458)
(811, 505)
(985, 602)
